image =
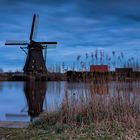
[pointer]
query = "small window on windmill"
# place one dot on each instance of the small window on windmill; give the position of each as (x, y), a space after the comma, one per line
(32, 66)
(33, 61)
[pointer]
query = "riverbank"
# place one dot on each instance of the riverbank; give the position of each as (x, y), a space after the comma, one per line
(13, 124)
(72, 76)
(97, 131)
(20, 76)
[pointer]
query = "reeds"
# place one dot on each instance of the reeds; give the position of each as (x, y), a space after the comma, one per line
(101, 98)
(93, 102)
(100, 57)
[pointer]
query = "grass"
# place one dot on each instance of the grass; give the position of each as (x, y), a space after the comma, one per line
(96, 131)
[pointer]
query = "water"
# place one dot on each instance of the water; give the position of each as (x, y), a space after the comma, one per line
(23, 101)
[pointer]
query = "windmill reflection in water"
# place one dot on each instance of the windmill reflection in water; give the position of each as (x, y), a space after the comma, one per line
(35, 102)
(35, 92)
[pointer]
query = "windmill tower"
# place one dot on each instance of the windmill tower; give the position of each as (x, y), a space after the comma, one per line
(35, 62)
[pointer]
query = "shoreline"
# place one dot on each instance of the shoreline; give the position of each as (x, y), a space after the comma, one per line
(71, 76)
(14, 124)
(100, 130)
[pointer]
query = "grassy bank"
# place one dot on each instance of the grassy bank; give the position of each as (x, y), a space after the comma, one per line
(96, 131)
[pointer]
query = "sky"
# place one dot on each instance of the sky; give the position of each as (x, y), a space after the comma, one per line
(79, 27)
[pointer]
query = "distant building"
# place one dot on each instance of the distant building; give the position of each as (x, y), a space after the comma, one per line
(99, 68)
(124, 72)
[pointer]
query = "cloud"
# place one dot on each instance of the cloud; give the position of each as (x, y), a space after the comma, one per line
(133, 17)
(79, 26)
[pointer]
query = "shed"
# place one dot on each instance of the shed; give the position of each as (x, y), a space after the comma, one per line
(99, 68)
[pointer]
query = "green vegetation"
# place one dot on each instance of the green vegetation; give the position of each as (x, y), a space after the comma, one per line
(59, 131)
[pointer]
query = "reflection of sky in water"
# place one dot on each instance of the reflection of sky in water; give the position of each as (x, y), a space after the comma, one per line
(54, 95)
(12, 98)
(13, 101)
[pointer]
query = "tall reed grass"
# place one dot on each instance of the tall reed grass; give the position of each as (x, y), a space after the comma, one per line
(99, 100)
(93, 102)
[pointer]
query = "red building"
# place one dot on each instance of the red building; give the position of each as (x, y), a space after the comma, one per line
(99, 68)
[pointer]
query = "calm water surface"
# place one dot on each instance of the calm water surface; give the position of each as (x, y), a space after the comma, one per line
(22, 101)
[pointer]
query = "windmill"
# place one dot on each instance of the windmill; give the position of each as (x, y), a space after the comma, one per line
(35, 61)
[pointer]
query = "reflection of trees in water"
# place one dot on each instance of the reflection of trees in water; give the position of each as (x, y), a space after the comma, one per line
(55, 87)
(99, 87)
(100, 100)
(124, 87)
(35, 94)
(78, 94)
(128, 92)
(55, 95)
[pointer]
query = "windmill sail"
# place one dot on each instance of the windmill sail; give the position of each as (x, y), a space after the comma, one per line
(35, 60)
(47, 42)
(16, 42)
(34, 27)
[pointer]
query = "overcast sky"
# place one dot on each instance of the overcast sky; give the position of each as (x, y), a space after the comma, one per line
(79, 27)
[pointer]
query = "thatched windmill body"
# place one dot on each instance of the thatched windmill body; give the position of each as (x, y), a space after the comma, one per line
(35, 61)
